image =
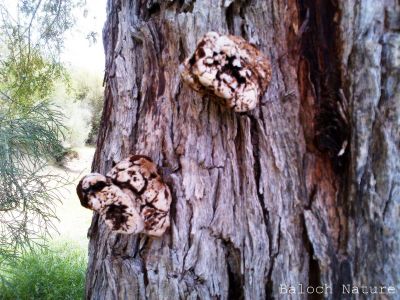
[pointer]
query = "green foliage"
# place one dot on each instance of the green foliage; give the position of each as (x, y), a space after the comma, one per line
(88, 89)
(27, 140)
(54, 273)
(31, 38)
(76, 118)
(28, 79)
(32, 128)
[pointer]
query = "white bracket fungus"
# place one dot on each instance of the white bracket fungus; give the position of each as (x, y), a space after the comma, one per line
(230, 68)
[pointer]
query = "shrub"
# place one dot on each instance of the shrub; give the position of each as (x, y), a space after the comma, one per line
(88, 89)
(77, 116)
(57, 272)
(82, 103)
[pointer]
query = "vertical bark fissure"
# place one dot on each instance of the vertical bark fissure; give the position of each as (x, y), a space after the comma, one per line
(322, 53)
(328, 137)
(138, 96)
(314, 279)
(254, 127)
(269, 285)
(235, 277)
(235, 15)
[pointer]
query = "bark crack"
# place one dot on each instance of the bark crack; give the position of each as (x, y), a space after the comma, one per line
(235, 13)
(254, 129)
(269, 286)
(320, 49)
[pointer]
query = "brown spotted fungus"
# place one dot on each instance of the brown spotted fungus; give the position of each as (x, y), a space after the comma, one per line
(230, 68)
(131, 198)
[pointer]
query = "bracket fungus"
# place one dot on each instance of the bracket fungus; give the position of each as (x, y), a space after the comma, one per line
(131, 198)
(230, 68)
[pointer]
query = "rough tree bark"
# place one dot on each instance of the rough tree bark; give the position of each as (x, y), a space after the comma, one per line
(263, 198)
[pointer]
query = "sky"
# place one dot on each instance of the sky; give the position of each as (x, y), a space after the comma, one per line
(78, 51)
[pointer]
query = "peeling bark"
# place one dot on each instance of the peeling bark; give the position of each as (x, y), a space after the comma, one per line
(262, 198)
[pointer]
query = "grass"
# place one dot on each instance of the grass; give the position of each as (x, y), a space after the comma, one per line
(57, 272)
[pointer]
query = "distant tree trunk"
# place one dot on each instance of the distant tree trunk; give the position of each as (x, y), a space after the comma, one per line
(267, 198)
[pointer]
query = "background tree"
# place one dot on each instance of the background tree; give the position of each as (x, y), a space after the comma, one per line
(302, 190)
(81, 100)
(88, 90)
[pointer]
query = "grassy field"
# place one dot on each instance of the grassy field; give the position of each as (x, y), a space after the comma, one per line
(57, 272)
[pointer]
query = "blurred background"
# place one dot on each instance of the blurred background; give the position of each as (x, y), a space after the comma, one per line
(51, 98)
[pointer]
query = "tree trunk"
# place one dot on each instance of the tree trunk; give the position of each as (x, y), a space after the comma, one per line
(267, 199)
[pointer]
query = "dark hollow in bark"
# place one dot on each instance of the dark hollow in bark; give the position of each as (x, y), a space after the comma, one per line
(259, 199)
